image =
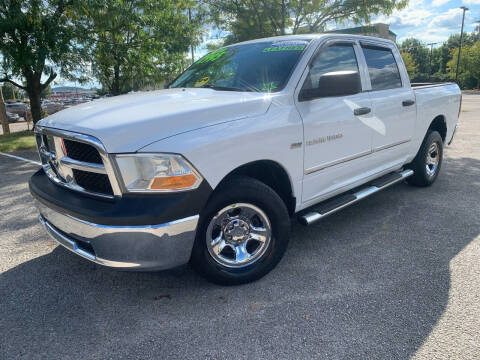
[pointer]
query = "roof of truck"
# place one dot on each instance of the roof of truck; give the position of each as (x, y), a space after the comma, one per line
(314, 36)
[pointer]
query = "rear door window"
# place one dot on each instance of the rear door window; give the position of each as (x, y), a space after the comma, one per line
(382, 67)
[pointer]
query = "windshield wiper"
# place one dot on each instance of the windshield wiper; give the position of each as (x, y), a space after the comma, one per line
(225, 88)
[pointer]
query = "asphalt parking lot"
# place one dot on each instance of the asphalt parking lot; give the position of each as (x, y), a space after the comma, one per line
(393, 277)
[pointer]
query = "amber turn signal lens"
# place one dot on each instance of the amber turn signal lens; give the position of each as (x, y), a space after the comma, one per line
(173, 182)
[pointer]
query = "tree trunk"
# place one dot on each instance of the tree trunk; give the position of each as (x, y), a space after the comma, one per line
(3, 115)
(116, 80)
(34, 93)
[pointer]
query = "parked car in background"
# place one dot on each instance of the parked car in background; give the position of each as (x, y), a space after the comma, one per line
(19, 108)
(51, 107)
(12, 117)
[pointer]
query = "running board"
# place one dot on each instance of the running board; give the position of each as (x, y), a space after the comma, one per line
(339, 202)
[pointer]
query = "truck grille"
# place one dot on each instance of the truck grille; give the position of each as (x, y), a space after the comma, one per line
(97, 183)
(76, 161)
(82, 152)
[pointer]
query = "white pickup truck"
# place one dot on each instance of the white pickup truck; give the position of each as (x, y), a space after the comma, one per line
(212, 170)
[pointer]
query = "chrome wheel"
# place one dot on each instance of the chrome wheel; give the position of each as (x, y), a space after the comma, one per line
(433, 159)
(238, 235)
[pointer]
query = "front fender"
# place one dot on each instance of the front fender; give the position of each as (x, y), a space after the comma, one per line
(217, 150)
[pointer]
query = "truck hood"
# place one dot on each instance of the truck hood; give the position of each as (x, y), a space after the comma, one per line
(129, 122)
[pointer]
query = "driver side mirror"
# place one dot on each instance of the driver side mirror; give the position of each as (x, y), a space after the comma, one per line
(336, 83)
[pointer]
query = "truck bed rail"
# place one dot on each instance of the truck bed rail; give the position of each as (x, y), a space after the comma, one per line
(429, 85)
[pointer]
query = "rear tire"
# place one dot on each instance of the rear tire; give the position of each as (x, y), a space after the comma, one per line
(240, 212)
(427, 163)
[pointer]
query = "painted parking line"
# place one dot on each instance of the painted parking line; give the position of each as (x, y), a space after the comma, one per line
(21, 158)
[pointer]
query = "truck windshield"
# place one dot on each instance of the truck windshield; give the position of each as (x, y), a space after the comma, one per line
(261, 67)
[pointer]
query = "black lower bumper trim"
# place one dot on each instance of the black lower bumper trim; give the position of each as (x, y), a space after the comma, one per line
(130, 209)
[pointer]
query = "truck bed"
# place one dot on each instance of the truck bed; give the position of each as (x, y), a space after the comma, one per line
(434, 100)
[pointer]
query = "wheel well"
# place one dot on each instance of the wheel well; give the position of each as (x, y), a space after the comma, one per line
(270, 173)
(439, 124)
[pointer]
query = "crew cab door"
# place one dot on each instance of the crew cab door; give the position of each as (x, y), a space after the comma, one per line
(393, 103)
(333, 108)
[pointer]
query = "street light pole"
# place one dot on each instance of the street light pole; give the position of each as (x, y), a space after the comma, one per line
(460, 45)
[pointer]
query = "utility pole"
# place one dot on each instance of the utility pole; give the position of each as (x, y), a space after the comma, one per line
(460, 45)
(3, 115)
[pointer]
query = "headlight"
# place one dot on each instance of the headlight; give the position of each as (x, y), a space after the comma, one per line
(157, 173)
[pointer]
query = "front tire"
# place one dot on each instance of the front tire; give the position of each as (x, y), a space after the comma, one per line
(242, 234)
(427, 163)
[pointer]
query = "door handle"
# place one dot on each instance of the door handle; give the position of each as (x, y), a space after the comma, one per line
(362, 111)
(408, 102)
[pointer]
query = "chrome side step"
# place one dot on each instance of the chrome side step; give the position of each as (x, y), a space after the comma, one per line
(337, 203)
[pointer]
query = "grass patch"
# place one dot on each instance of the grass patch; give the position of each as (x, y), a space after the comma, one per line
(22, 140)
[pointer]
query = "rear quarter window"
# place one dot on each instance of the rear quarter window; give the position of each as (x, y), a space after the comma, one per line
(382, 67)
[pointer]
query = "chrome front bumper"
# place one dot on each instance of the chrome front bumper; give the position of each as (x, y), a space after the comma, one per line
(152, 247)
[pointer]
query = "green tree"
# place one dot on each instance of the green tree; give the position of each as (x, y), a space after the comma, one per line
(249, 19)
(469, 68)
(139, 43)
(444, 52)
(10, 92)
(410, 64)
(46, 92)
(38, 39)
(444, 58)
(211, 47)
(454, 40)
(420, 54)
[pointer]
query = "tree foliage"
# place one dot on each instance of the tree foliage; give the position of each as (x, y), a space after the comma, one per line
(250, 19)
(439, 64)
(410, 64)
(10, 92)
(38, 39)
(138, 43)
(420, 54)
(469, 68)
(46, 92)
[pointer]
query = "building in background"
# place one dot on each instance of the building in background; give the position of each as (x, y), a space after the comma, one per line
(65, 92)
